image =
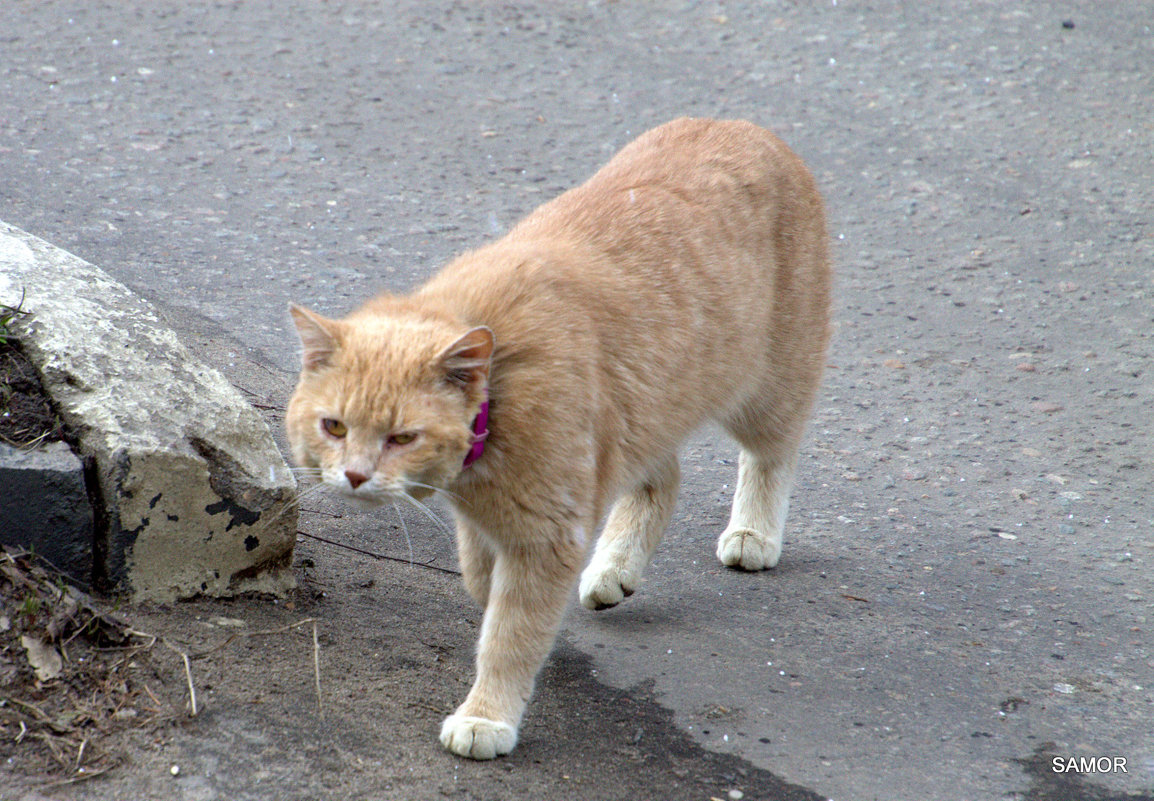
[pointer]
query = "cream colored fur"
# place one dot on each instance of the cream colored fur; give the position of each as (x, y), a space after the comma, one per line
(687, 280)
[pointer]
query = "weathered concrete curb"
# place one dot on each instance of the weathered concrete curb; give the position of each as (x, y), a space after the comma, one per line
(44, 506)
(196, 497)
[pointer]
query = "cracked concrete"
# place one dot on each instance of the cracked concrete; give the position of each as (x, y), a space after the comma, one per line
(192, 495)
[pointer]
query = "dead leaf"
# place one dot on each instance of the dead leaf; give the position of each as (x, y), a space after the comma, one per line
(44, 658)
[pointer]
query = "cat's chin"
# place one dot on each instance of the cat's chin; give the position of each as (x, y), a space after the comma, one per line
(365, 502)
(375, 500)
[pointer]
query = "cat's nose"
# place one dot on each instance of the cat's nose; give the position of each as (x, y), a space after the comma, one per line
(355, 478)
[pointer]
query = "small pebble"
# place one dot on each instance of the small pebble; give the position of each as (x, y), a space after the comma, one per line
(736, 795)
(174, 770)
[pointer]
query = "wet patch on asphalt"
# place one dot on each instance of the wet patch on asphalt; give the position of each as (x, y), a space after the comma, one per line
(601, 737)
(1054, 780)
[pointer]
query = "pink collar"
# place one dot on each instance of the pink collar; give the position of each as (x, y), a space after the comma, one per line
(480, 432)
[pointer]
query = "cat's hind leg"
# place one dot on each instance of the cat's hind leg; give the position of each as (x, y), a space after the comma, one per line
(631, 535)
(752, 540)
(770, 436)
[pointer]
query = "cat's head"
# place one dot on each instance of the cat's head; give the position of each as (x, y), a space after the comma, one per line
(385, 403)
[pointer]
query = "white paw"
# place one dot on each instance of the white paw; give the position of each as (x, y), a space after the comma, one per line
(748, 549)
(477, 738)
(605, 584)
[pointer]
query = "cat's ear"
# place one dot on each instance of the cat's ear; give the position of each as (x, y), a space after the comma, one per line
(318, 337)
(467, 360)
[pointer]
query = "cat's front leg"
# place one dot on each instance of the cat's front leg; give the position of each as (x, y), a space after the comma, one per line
(476, 557)
(527, 598)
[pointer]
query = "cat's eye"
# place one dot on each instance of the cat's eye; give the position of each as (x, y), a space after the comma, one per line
(334, 428)
(405, 438)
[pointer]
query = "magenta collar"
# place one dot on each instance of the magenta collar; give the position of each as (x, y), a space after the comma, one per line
(480, 432)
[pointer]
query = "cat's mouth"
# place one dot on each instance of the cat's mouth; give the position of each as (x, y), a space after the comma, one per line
(365, 500)
(367, 496)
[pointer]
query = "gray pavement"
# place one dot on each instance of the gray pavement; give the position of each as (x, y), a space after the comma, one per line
(965, 591)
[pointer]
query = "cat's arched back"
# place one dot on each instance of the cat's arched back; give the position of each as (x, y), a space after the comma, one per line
(686, 280)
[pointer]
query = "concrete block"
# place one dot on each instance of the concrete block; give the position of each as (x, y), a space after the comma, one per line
(44, 507)
(195, 497)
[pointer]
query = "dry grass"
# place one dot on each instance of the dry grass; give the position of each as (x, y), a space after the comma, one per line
(71, 677)
(76, 679)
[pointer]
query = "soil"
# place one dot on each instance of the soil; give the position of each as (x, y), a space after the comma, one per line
(280, 699)
(73, 679)
(26, 413)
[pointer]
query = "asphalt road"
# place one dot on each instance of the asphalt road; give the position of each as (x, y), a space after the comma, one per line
(965, 590)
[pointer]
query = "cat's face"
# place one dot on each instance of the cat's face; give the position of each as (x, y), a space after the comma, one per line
(384, 406)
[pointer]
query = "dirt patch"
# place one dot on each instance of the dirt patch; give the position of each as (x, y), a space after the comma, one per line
(26, 413)
(73, 679)
(1049, 784)
(337, 692)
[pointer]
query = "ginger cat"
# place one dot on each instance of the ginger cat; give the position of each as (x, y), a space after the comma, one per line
(688, 280)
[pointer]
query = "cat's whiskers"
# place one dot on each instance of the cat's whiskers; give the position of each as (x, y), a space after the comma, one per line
(316, 473)
(427, 512)
(307, 492)
(435, 490)
(405, 530)
(291, 504)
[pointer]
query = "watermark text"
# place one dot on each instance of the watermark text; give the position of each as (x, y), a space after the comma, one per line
(1088, 764)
